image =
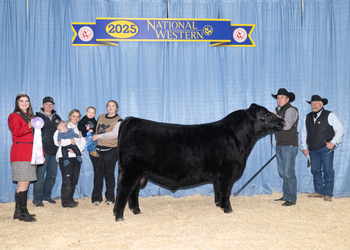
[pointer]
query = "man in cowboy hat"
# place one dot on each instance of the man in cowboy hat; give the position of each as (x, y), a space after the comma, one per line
(321, 131)
(287, 145)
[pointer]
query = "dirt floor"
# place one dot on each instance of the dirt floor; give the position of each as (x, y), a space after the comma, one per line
(192, 222)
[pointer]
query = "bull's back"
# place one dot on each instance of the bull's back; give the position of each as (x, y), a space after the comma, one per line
(169, 151)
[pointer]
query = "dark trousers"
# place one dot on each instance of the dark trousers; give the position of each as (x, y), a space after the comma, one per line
(70, 177)
(104, 168)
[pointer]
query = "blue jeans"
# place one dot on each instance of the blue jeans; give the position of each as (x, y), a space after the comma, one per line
(44, 184)
(285, 156)
(322, 164)
(93, 146)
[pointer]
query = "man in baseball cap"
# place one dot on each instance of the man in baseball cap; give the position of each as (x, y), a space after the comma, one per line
(48, 99)
(43, 186)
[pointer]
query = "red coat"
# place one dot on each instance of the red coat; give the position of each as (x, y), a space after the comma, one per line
(22, 138)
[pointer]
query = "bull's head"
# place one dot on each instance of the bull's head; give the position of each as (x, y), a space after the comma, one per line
(264, 119)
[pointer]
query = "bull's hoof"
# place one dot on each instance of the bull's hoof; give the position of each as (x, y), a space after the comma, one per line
(136, 211)
(227, 210)
(217, 204)
(119, 219)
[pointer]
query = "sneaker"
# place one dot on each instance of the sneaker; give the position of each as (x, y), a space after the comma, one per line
(38, 203)
(94, 154)
(96, 203)
(49, 200)
(109, 203)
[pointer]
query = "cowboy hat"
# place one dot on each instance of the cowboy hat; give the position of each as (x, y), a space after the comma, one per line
(283, 91)
(316, 98)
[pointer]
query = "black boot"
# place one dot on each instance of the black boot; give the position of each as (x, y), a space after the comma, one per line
(21, 202)
(17, 214)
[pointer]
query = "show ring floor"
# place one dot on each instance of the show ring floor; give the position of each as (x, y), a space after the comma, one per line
(192, 222)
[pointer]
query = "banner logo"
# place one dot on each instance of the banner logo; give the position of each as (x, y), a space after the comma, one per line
(240, 35)
(86, 34)
(208, 30)
(110, 31)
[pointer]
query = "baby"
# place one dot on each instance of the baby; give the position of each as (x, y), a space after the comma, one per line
(88, 124)
(67, 133)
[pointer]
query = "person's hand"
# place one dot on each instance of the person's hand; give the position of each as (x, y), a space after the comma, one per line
(70, 150)
(85, 138)
(72, 141)
(330, 145)
(87, 127)
(306, 152)
(91, 131)
(59, 143)
(79, 135)
(94, 138)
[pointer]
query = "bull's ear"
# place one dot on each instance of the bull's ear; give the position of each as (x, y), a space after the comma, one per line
(252, 106)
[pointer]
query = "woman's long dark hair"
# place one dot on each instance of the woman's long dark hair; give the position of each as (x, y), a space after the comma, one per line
(29, 114)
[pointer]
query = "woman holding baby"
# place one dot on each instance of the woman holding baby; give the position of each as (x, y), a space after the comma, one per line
(70, 172)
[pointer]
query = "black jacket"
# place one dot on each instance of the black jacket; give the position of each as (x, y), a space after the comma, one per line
(47, 132)
(84, 122)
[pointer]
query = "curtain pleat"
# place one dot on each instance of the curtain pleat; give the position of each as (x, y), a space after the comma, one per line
(179, 82)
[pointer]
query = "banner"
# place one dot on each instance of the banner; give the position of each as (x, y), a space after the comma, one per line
(241, 36)
(85, 35)
(109, 31)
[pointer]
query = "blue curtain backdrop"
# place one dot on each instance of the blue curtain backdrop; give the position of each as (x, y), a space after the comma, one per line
(179, 82)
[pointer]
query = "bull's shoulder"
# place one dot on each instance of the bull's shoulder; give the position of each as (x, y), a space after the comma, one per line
(239, 118)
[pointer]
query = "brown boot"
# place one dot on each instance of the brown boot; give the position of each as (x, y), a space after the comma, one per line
(94, 154)
(315, 195)
(327, 198)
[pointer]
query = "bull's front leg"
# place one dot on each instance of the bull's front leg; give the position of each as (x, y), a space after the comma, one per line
(225, 187)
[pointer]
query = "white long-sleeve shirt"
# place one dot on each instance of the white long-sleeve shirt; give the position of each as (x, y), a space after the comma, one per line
(332, 121)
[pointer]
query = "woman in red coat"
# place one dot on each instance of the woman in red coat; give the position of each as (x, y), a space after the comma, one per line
(21, 154)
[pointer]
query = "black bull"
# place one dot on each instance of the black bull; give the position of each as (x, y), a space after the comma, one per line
(177, 156)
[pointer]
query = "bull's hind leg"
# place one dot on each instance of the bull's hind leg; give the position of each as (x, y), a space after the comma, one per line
(216, 193)
(125, 188)
(134, 200)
